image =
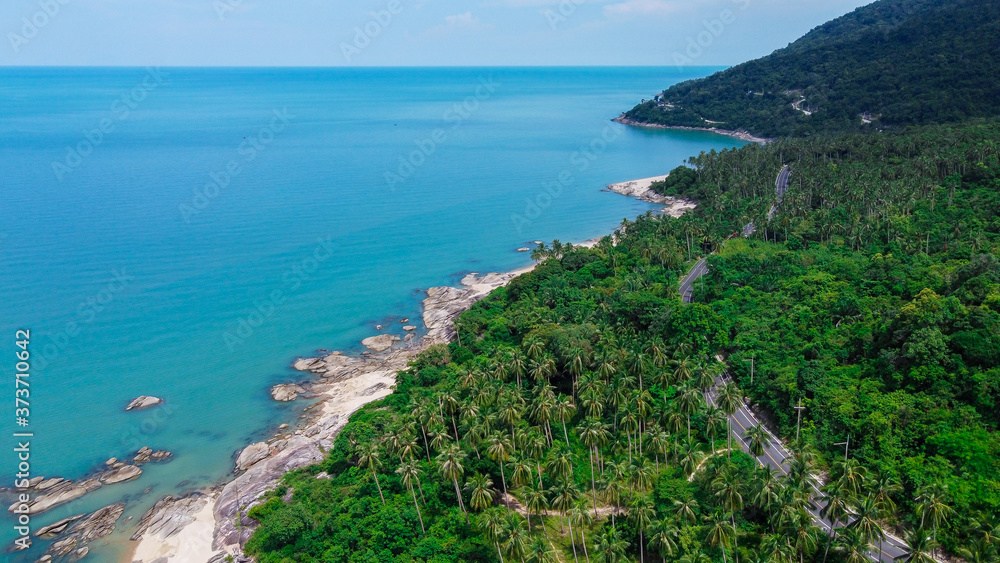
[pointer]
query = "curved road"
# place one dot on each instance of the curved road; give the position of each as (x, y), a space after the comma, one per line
(775, 456)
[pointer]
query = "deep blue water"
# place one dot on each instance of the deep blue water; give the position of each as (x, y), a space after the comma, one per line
(312, 203)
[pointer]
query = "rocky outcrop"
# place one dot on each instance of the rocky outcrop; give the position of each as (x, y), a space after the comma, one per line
(169, 515)
(379, 343)
(53, 530)
(86, 529)
(286, 392)
(444, 304)
(121, 474)
(49, 493)
(251, 455)
(143, 402)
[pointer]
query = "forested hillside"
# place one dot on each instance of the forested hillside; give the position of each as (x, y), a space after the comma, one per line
(873, 297)
(890, 64)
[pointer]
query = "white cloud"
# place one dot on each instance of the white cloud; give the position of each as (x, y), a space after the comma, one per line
(639, 8)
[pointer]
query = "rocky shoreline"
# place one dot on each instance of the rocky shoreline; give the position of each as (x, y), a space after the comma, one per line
(205, 522)
(741, 135)
(201, 526)
(642, 190)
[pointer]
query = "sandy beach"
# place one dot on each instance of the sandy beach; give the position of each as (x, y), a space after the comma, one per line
(201, 526)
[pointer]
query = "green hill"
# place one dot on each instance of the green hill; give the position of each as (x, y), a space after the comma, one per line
(889, 64)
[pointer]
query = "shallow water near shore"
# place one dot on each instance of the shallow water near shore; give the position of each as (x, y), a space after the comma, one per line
(187, 233)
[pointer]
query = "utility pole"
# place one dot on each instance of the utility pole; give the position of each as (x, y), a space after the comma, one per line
(798, 425)
(847, 446)
(751, 369)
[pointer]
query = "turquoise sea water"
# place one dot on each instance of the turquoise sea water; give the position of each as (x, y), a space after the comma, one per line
(187, 233)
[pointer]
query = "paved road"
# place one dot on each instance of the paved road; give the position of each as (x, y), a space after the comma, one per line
(687, 284)
(776, 457)
(783, 181)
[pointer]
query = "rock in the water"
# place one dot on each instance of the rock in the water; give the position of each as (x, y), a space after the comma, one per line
(60, 493)
(251, 455)
(404, 321)
(379, 343)
(286, 392)
(53, 530)
(120, 475)
(409, 328)
(111, 461)
(48, 483)
(524, 249)
(143, 402)
(409, 337)
(96, 525)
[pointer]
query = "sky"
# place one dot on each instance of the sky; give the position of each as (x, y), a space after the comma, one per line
(403, 32)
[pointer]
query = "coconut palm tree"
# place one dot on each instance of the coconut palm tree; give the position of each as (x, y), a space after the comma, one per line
(540, 551)
(535, 501)
(564, 411)
(715, 421)
(835, 508)
(663, 538)
(688, 402)
(481, 493)
(685, 510)
(594, 434)
(408, 473)
(931, 507)
(919, 546)
(611, 546)
(492, 522)
(854, 546)
(499, 451)
(370, 457)
(641, 513)
(450, 466)
(560, 464)
(866, 513)
(757, 439)
(580, 517)
(720, 533)
(730, 401)
(515, 538)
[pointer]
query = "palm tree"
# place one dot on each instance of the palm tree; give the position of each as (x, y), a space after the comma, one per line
(685, 510)
(642, 514)
(688, 402)
(563, 497)
(979, 552)
(931, 507)
(835, 508)
(758, 439)
(499, 450)
(593, 434)
(715, 420)
(516, 538)
(610, 545)
(866, 522)
(481, 493)
(854, 546)
(581, 518)
(663, 538)
(560, 464)
(720, 533)
(369, 457)
(492, 523)
(919, 545)
(803, 534)
(730, 401)
(728, 491)
(564, 411)
(450, 467)
(535, 501)
(541, 551)
(409, 472)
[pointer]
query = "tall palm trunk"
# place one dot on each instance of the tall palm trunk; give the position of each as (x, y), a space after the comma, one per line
(572, 540)
(379, 487)
(417, 506)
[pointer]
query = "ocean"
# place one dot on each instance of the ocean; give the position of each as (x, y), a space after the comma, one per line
(188, 233)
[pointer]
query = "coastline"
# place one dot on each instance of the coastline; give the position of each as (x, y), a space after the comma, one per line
(741, 135)
(203, 522)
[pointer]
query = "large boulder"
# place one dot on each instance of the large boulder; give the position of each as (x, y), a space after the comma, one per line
(121, 474)
(379, 343)
(286, 392)
(251, 455)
